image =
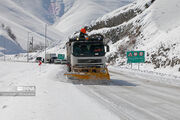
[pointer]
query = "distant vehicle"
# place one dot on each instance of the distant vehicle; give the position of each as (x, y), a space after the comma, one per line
(39, 59)
(57, 61)
(53, 59)
(64, 61)
(49, 57)
(60, 61)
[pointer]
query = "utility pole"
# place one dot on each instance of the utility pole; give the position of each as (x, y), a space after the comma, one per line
(4, 50)
(32, 43)
(28, 47)
(45, 32)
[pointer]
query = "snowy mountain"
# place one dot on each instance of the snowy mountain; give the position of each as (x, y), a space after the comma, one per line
(151, 25)
(79, 13)
(19, 22)
(46, 10)
(67, 16)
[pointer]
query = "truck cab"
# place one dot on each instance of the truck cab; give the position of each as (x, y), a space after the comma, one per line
(86, 53)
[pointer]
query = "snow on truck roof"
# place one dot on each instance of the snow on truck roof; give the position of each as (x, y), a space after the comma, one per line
(96, 37)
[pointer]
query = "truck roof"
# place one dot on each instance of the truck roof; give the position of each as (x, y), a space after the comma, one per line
(95, 38)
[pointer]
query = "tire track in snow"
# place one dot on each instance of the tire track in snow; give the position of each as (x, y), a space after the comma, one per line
(147, 100)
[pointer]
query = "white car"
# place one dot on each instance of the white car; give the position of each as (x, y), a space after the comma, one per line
(59, 61)
(63, 61)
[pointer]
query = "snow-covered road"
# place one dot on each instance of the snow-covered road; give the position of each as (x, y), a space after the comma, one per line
(132, 98)
(126, 98)
(54, 100)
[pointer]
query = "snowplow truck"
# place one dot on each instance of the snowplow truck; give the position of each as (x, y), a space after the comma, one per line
(86, 58)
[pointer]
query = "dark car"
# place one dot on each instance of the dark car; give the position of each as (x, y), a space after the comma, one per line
(39, 59)
(52, 59)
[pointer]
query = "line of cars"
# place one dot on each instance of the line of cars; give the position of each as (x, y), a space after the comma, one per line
(51, 58)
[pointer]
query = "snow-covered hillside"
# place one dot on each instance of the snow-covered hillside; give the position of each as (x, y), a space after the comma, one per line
(79, 13)
(46, 10)
(69, 15)
(19, 22)
(23, 16)
(151, 25)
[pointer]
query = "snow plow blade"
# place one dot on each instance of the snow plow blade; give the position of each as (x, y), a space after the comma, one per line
(89, 74)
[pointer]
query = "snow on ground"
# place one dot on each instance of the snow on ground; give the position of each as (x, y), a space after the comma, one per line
(129, 95)
(132, 97)
(141, 72)
(54, 100)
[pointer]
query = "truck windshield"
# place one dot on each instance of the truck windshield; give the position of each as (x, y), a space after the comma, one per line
(88, 49)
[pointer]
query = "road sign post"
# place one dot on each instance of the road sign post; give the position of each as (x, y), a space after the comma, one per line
(135, 57)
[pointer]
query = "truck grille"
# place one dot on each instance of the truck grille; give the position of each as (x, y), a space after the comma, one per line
(89, 60)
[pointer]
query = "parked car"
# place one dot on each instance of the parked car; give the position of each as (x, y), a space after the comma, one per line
(39, 59)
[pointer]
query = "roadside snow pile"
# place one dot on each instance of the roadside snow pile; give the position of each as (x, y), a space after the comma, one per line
(164, 78)
(151, 26)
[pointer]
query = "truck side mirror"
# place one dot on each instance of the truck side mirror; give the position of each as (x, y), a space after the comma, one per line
(107, 48)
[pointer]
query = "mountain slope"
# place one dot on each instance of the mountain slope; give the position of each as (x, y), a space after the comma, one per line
(83, 12)
(42, 9)
(23, 16)
(151, 25)
(21, 22)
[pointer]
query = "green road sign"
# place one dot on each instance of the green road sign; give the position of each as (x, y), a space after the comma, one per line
(135, 56)
(61, 56)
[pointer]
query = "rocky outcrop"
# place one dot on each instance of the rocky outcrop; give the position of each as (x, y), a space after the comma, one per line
(116, 20)
(161, 58)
